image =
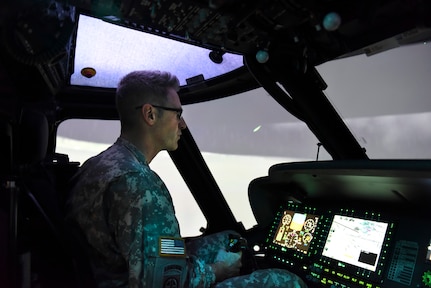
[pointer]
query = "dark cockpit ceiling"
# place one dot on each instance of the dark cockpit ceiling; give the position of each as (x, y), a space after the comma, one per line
(316, 30)
(283, 35)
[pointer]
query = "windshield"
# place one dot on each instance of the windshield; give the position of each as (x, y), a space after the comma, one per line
(383, 99)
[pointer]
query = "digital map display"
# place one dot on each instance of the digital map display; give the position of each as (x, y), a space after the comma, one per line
(355, 241)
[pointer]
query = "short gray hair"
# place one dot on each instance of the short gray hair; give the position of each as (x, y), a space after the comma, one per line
(141, 87)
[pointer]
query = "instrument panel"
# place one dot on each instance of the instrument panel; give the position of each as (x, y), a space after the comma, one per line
(350, 248)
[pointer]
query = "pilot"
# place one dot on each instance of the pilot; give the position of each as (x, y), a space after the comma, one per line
(125, 211)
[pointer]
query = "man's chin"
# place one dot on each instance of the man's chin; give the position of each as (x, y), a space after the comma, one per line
(175, 147)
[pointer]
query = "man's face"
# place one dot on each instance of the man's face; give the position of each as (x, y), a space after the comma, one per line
(170, 123)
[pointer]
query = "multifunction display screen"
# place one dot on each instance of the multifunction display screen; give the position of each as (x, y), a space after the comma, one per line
(355, 241)
(295, 230)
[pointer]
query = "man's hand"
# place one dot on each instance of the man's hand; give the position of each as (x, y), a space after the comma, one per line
(227, 264)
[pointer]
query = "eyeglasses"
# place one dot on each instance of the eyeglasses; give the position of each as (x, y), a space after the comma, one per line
(178, 110)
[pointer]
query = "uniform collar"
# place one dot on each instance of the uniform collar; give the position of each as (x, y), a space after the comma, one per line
(131, 147)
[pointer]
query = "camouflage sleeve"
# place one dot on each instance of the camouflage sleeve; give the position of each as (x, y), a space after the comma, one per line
(201, 274)
(124, 210)
(270, 278)
(204, 250)
(139, 210)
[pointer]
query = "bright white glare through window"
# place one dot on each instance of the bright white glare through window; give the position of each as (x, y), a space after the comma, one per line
(114, 51)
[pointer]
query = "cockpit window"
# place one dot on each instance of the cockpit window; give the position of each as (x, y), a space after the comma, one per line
(384, 100)
(105, 52)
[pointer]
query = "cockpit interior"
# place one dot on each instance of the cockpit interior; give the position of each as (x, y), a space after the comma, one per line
(308, 129)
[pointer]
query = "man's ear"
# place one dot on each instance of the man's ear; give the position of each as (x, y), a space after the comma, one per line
(148, 113)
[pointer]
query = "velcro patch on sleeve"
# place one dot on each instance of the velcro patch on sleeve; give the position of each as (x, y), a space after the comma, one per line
(171, 247)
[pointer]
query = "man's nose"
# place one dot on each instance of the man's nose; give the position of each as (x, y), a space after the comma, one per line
(182, 124)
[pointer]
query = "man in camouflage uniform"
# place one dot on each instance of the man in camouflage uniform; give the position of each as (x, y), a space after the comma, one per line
(126, 212)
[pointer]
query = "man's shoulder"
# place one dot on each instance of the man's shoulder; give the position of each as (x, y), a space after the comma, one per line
(114, 161)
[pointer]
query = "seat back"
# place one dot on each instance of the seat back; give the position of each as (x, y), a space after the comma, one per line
(40, 236)
(38, 250)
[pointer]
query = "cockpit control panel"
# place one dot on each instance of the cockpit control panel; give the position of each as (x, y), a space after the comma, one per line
(349, 248)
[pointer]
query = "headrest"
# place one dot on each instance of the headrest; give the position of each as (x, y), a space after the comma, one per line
(33, 137)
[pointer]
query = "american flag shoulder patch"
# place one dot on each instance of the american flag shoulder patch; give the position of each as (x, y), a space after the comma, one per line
(171, 247)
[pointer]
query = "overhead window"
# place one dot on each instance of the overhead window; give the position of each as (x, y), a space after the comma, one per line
(105, 52)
